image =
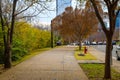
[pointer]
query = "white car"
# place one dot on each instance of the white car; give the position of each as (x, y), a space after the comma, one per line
(94, 43)
(118, 52)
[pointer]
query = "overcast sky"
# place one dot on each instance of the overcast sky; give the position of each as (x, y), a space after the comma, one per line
(46, 18)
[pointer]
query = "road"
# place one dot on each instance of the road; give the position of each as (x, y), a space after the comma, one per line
(103, 47)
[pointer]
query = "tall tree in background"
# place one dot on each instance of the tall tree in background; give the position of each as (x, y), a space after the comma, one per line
(73, 25)
(85, 23)
(111, 6)
(12, 10)
(67, 24)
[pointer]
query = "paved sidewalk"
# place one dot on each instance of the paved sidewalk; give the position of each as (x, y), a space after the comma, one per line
(98, 54)
(101, 56)
(55, 64)
(89, 61)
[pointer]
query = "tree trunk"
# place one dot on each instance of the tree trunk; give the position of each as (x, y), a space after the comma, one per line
(7, 51)
(7, 56)
(80, 45)
(108, 55)
(8, 45)
(111, 5)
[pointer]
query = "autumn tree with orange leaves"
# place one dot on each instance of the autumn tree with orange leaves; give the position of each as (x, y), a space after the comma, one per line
(76, 25)
(85, 23)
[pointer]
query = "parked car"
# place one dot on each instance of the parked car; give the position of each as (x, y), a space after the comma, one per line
(94, 43)
(113, 42)
(104, 42)
(100, 43)
(58, 43)
(118, 52)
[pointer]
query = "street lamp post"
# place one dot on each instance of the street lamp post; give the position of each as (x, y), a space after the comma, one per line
(52, 34)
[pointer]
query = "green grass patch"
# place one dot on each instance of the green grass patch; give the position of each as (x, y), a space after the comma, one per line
(118, 43)
(31, 54)
(96, 71)
(87, 56)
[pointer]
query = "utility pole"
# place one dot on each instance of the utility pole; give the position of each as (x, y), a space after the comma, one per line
(52, 34)
(52, 41)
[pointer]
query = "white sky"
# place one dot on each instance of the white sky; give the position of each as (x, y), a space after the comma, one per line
(49, 15)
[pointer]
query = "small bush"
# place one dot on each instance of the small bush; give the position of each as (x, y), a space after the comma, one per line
(18, 53)
(1, 55)
(1, 58)
(16, 57)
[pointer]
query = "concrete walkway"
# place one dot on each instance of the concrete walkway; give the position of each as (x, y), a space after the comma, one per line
(55, 64)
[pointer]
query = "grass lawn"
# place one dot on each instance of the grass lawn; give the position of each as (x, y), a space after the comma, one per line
(87, 56)
(96, 71)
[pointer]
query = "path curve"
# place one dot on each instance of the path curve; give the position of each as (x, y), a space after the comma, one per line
(55, 64)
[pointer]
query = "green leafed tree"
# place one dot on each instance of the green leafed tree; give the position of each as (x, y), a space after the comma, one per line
(27, 38)
(12, 11)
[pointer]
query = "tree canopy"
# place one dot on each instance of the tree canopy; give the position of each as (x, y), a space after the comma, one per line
(77, 24)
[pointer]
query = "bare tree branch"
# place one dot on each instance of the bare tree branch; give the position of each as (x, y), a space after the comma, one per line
(2, 23)
(99, 17)
(13, 20)
(24, 10)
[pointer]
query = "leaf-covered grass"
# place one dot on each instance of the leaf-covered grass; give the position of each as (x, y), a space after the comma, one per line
(87, 56)
(96, 72)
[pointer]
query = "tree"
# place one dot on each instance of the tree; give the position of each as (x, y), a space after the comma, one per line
(66, 26)
(73, 25)
(8, 38)
(84, 25)
(27, 38)
(11, 11)
(111, 7)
